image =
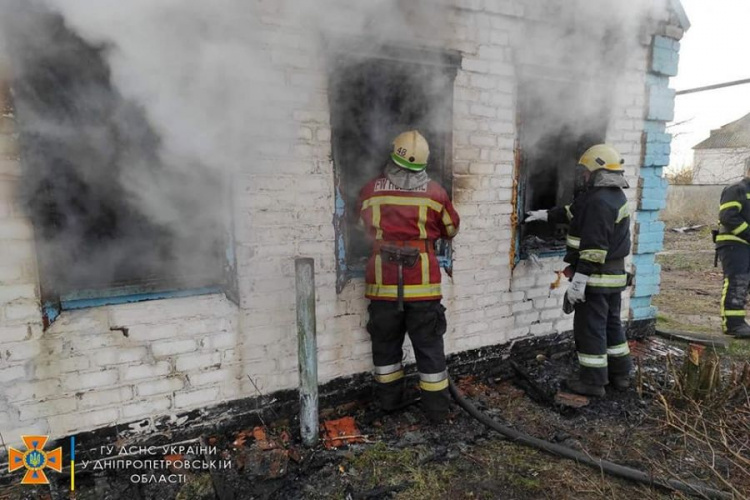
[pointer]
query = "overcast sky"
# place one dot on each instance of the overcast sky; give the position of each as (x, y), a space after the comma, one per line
(716, 49)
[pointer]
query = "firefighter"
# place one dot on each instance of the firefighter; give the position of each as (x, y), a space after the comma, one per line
(597, 243)
(404, 212)
(733, 246)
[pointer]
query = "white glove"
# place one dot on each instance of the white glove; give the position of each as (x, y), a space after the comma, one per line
(577, 288)
(536, 215)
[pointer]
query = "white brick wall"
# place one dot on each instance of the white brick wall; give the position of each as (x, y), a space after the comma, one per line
(187, 353)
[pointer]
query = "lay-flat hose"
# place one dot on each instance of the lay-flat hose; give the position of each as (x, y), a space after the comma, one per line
(565, 452)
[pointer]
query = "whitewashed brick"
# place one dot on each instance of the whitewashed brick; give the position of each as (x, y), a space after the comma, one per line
(8, 146)
(118, 355)
(14, 333)
(23, 311)
(156, 370)
(15, 229)
(10, 274)
(60, 406)
(147, 408)
(10, 293)
(527, 318)
(11, 374)
(196, 398)
(105, 398)
(74, 364)
(90, 380)
(163, 386)
(172, 347)
(21, 351)
(65, 424)
(37, 390)
(192, 362)
(209, 378)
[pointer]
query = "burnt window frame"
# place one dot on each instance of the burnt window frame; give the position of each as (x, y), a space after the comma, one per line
(522, 173)
(448, 63)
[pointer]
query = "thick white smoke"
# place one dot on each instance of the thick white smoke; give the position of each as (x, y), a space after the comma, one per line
(208, 77)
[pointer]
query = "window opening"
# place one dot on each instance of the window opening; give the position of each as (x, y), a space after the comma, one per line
(373, 99)
(558, 121)
(81, 145)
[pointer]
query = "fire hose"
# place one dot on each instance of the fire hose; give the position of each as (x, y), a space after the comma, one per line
(582, 458)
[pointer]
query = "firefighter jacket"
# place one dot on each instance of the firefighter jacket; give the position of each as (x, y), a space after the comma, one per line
(415, 217)
(734, 215)
(599, 235)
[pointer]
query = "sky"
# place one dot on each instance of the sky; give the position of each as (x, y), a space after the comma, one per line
(716, 49)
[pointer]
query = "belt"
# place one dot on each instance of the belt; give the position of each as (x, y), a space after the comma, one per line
(426, 246)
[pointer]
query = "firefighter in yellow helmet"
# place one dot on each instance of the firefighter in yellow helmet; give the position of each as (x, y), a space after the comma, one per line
(598, 242)
(405, 212)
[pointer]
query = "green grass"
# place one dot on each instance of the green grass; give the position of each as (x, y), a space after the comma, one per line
(740, 349)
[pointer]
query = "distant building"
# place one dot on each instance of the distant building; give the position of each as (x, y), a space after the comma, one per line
(720, 159)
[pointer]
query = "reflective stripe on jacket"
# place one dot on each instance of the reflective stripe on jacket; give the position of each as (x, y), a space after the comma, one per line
(599, 238)
(734, 215)
(391, 214)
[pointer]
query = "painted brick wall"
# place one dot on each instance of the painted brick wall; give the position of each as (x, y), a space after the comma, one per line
(649, 237)
(182, 354)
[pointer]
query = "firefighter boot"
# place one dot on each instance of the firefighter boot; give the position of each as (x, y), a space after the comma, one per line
(390, 395)
(738, 328)
(436, 405)
(584, 389)
(620, 382)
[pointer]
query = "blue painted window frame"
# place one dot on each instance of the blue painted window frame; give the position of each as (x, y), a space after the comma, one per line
(53, 306)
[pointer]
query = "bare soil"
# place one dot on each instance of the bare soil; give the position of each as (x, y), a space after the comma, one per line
(690, 284)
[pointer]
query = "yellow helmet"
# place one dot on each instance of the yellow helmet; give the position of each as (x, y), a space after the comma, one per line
(411, 151)
(602, 156)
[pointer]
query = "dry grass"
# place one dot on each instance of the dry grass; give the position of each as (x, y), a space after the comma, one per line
(706, 411)
(682, 176)
(690, 206)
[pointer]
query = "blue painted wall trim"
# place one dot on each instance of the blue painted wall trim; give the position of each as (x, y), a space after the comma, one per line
(69, 305)
(649, 230)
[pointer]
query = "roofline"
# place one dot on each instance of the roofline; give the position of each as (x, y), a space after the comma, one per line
(681, 14)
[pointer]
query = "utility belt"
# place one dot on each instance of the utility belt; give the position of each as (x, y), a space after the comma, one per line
(402, 254)
(424, 246)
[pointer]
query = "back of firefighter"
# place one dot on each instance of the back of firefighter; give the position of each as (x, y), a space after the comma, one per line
(404, 208)
(598, 242)
(733, 245)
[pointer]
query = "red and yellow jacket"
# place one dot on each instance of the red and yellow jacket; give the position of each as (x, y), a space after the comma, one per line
(415, 218)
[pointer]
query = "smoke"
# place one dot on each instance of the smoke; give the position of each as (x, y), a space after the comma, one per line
(578, 68)
(153, 109)
(592, 44)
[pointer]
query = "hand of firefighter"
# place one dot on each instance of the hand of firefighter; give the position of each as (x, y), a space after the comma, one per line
(536, 215)
(577, 289)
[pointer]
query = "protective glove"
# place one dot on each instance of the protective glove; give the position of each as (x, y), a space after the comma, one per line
(577, 289)
(536, 215)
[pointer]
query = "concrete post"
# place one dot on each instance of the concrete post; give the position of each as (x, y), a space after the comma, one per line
(307, 350)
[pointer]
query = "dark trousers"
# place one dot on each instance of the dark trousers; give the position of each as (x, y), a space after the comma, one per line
(426, 325)
(600, 339)
(735, 260)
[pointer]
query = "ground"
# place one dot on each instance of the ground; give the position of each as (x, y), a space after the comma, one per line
(654, 427)
(402, 456)
(691, 287)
